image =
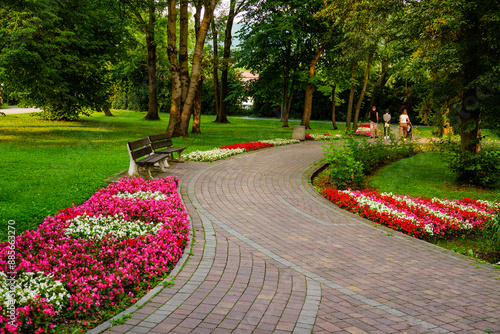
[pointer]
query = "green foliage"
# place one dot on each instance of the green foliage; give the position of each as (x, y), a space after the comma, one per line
(55, 55)
(350, 163)
(492, 231)
(482, 168)
(344, 170)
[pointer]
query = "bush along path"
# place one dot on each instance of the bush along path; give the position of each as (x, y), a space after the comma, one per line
(89, 258)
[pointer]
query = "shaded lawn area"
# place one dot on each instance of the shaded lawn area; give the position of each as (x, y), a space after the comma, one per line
(47, 166)
(426, 175)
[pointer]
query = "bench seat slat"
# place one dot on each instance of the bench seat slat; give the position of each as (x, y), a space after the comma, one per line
(151, 159)
(171, 150)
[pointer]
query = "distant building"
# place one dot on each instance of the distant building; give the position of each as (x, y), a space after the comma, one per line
(248, 76)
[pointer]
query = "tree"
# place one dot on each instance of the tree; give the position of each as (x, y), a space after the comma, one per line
(235, 8)
(181, 109)
(145, 14)
(456, 42)
(279, 37)
(55, 55)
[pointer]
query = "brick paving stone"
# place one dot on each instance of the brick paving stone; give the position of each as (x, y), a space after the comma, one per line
(270, 254)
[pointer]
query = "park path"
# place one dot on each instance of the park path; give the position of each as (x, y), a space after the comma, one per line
(270, 255)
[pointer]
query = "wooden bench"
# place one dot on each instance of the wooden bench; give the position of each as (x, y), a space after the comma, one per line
(142, 155)
(162, 144)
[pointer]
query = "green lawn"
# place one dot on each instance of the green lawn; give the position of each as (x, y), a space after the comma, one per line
(426, 175)
(48, 166)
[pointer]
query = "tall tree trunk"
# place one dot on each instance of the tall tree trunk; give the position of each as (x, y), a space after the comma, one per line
(334, 123)
(306, 116)
(363, 91)
(351, 99)
(196, 124)
(216, 71)
(196, 68)
(183, 49)
(382, 80)
(286, 80)
(225, 64)
(151, 45)
(107, 112)
(176, 105)
(471, 109)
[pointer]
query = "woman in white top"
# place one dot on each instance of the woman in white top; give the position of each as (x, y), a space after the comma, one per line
(404, 120)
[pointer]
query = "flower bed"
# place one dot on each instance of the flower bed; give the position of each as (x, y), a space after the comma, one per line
(229, 150)
(320, 137)
(419, 217)
(363, 130)
(91, 257)
(248, 146)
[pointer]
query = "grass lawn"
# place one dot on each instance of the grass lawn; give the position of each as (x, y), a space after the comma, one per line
(48, 166)
(426, 175)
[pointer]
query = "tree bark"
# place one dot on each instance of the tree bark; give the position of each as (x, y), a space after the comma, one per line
(183, 49)
(151, 45)
(222, 117)
(363, 91)
(334, 123)
(351, 99)
(196, 68)
(107, 112)
(306, 116)
(286, 111)
(216, 71)
(175, 106)
(196, 124)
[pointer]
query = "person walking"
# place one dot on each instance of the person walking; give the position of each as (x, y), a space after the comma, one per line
(404, 120)
(387, 125)
(373, 122)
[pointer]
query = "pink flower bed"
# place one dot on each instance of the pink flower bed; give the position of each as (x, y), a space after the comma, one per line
(248, 146)
(363, 130)
(419, 217)
(98, 267)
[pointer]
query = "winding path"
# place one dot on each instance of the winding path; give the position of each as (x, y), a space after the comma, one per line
(271, 255)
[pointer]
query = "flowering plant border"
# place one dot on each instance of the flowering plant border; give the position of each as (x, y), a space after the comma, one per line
(94, 273)
(419, 217)
(230, 150)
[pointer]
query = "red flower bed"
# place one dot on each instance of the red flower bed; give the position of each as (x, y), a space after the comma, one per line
(248, 146)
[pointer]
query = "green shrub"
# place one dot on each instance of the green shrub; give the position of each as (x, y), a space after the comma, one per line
(377, 154)
(492, 230)
(482, 168)
(344, 170)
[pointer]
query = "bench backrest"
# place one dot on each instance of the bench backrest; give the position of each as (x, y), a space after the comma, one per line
(139, 148)
(159, 141)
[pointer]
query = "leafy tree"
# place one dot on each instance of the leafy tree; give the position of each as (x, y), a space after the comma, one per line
(56, 54)
(457, 44)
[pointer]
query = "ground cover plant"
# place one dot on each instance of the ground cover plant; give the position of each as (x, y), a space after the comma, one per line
(89, 258)
(47, 165)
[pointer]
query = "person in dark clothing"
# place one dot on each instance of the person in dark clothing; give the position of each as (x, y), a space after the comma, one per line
(373, 122)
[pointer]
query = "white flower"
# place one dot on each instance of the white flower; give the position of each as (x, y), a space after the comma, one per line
(157, 195)
(87, 227)
(30, 285)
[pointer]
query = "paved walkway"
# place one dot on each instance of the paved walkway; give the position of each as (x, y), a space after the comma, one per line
(271, 255)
